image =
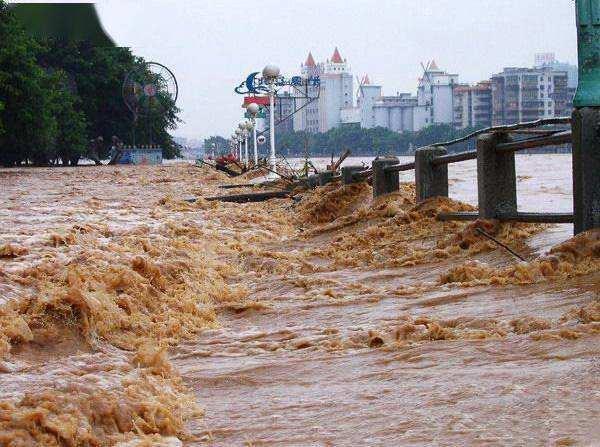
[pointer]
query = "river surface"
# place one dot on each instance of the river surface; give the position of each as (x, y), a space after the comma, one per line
(131, 317)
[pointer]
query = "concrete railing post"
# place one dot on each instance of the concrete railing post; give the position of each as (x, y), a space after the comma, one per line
(326, 177)
(496, 178)
(586, 168)
(385, 182)
(313, 181)
(348, 174)
(430, 180)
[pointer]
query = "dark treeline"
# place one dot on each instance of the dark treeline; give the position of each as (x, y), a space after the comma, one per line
(367, 142)
(56, 96)
(221, 145)
(362, 142)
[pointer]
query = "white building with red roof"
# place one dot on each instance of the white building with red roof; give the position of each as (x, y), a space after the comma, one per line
(336, 95)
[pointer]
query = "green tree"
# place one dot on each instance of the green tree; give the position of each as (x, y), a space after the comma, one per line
(97, 74)
(25, 92)
(369, 142)
(221, 145)
(71, 138)
(57, 95)
(1, 126)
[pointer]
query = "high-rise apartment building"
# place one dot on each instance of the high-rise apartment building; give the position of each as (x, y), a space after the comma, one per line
(528, 94)
(473, 105)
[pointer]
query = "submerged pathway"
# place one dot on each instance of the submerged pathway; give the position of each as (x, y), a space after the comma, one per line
(130, 317)
(332, 355)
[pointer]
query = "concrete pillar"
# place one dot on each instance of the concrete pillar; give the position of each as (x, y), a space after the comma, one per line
(586, 168)
(326, 177)
(313, 181)
(496, 178)
(430, 180)
(348, 174)
(385, 182)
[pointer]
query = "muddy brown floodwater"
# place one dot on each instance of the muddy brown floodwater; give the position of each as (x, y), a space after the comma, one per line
(131, 317)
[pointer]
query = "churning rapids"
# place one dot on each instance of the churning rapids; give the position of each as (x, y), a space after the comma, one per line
(131, 317)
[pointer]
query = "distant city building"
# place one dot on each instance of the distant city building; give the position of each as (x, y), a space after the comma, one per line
(284, 110)
(395, 113)
(435, 96)
(336, 91)
(368, 95)
(528, 94)
(350, 116)
(404, 112)
(473, 105)
(336, 99)
(549, 60)
(515, 95)
(307, 119)
(542, 59)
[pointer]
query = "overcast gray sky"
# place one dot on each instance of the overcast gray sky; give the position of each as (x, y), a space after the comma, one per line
(212, 45)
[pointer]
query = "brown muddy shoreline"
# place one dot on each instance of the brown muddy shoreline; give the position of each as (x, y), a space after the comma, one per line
(130, 316)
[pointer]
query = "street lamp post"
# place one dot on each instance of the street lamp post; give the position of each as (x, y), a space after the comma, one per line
(248, 129)
(238, 133)
(232, 143)
(244, 130)
(270, 74)
(253, 110)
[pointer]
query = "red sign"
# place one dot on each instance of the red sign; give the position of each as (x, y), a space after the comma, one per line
(260, 100)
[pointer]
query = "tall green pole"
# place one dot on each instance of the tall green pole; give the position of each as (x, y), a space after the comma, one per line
(588, 45)
(586, 119)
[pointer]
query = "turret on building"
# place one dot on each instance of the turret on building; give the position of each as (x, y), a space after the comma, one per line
(435, 97)
(336, 98)
(336, 91)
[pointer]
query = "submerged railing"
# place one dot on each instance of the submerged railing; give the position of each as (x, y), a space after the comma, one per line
(496, 173)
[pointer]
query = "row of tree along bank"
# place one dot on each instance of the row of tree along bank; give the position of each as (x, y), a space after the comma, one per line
(56, 96)
(364, 142)
(367, 142)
